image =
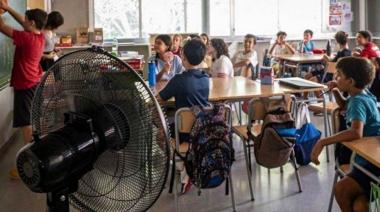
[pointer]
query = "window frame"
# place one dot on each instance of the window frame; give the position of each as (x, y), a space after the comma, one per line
(205, 25)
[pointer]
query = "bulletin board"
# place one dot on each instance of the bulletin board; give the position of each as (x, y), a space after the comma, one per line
(337, 16)
(6, 45)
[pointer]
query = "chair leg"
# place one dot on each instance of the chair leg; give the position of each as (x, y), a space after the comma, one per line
(249, 156)
(332, 192)
(281, 170)
(176, 191)
(232, 193)
(297, 174)
(249, 172)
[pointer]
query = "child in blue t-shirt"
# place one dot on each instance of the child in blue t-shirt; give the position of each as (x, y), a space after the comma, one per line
(307, 45)
(353, 76)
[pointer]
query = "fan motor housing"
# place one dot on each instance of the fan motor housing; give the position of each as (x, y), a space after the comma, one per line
(58, 159)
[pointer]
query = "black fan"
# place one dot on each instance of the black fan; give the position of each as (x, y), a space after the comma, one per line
(100, 138)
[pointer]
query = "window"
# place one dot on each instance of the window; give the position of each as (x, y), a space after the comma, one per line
(123, 19)
(256, 17)
(194, 16)
(220, 19)
(119, 19)
(306, 14)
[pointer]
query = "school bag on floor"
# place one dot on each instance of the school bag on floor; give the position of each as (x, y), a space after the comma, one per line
(209, 158)
(274, 145)
(307, 136)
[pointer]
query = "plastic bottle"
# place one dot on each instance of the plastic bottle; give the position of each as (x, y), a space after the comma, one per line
(328, 48)
(152, 74)
(115, 46)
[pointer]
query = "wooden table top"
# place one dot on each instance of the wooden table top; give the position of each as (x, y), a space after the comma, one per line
(368, 148)
(302, 58)
(241, 88)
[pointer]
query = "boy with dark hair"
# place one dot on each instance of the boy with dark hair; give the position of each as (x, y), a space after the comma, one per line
(362, 115)
(307, 45)
(189, 88)
(192, 86)
(26, 72)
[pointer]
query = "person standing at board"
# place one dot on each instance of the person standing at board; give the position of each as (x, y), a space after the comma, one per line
(55, 20)
(26, 71)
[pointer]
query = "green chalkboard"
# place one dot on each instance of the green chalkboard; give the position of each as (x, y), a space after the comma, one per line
(6, 45)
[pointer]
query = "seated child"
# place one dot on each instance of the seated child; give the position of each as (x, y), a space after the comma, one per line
(222, 65)
(245, 61)
(317, 75)
(307, 45)
(353, 76)
(167, 64)
(188, 88)
(176, 47)
(367, 48)
(280, 47)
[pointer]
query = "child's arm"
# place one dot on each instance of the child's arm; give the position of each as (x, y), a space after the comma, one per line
(5, 29)
(340, 100)
(272, 48)
(353, 133)
(17, 16)
(291, 49)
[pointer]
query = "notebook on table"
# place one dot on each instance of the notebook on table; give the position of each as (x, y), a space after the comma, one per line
(298, 83)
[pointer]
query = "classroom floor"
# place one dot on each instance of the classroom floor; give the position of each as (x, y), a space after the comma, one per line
(273, 191)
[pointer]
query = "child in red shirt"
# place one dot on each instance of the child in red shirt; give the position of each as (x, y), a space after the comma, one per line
(369, 50)
(26, 72)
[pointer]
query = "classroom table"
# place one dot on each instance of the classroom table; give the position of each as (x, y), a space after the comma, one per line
(295, 60)
(369, 149)
(241, 88)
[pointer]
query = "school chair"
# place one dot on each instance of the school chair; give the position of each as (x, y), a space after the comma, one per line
(254, 125)
(341, 170)
(184, 120)
(330, 69)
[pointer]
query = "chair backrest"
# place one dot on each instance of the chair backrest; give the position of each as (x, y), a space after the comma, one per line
(257, 111)
(331, 67)
(266, 58)
(184, 119)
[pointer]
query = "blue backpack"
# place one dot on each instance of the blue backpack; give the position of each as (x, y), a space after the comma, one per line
(307, 136)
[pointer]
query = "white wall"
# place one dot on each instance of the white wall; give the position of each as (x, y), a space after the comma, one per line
(6, 114)
(75, 13)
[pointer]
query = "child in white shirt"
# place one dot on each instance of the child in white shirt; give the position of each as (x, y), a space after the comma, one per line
(222, 65)
(245, 61)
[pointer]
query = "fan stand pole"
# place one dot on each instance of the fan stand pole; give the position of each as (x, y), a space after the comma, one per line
(57, 202)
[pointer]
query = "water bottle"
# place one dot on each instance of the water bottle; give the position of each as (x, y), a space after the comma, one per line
(152, 74)
(115, 45)
(302, 47)
(328, 48)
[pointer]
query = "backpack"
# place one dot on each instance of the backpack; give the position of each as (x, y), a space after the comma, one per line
(209, 157)
(274, 145)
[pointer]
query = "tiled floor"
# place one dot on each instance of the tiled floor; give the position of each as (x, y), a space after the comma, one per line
(273, 191)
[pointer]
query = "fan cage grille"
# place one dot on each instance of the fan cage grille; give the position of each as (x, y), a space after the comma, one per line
(129, 179)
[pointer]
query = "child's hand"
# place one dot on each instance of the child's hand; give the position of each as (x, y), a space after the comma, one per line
(167, 66)
(332, 84)
(3, 6)
(168, 56)
(317, 149)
